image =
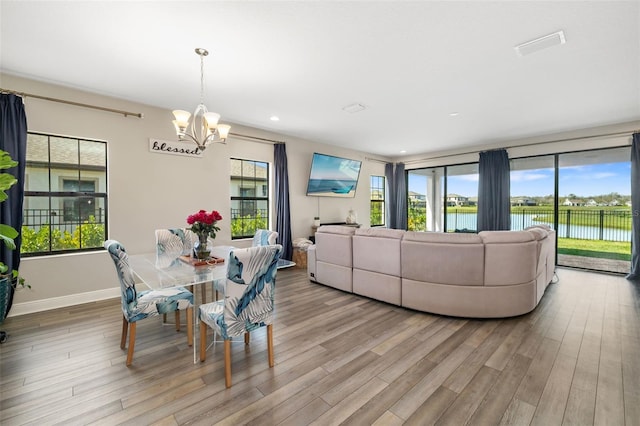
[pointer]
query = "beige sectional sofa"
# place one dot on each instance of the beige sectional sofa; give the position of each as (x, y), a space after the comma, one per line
(492, 274)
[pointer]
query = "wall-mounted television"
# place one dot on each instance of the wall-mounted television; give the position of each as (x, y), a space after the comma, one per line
(333, 176)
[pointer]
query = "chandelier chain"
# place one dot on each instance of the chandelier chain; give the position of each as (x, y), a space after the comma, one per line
(201, 78)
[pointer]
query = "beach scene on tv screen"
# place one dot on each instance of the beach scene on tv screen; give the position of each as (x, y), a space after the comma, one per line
(333, 176)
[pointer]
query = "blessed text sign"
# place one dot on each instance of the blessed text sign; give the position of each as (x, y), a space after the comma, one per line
(174, 148)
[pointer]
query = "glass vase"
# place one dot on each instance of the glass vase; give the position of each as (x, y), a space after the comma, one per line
(200, 249)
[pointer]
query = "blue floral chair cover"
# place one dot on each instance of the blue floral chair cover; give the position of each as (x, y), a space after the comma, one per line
(264, 237)
(175, 242)
(137, 306)
(248, 302)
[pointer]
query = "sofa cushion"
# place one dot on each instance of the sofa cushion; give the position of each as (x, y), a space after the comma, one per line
(333, 245)
(336, 229)
(443, 258)
(442, 237)
(511, 257)
(377, 250)
(380, 232)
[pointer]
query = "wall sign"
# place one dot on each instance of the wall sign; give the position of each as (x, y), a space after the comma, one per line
(187, 149)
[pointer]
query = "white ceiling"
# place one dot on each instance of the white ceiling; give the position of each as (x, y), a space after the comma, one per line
(410, 63)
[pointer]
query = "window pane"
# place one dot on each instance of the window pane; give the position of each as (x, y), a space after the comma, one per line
(594, 210)
(425, 199)
(93, 161)
(64, 150)
(532, 189)
(37, 165)
(249, 188)
(377, 205)
(462, 197)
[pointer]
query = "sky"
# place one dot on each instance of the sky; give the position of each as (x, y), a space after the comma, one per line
(583, 181)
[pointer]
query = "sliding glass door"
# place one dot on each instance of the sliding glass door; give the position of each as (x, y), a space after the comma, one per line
(594, 210)
(584, 195)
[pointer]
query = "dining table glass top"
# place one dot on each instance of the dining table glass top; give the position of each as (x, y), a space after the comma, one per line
(166, 270)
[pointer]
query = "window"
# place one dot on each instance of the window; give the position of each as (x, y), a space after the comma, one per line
(425, 199)
(65, 203)
(249, 197)
(377, 201)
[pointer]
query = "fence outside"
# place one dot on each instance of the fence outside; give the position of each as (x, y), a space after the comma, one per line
(596, 224)
(58, 219)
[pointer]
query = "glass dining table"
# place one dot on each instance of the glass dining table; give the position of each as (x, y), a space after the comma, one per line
(165, 270)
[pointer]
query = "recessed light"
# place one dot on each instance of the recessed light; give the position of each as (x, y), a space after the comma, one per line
(404, 151)
(274, 118)
(454, 114)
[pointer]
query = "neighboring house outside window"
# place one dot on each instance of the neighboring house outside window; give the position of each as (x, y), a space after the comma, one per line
(249, 197)
(377, 201)
(65, 199)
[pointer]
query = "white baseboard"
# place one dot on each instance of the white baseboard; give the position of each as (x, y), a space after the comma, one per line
(62, 301)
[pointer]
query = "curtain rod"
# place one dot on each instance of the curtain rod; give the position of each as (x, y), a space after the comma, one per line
(628, 133)
(63, 101)
(376, 160)
(255, 138)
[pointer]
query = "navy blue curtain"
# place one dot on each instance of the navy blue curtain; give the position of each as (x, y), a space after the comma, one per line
(401, 197)
(283, 217)
(391, 196)
(494, 207)
(635, 209)
(13, 139)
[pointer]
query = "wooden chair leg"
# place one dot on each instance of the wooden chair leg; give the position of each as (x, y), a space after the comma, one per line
(246, 338)
(270, 344)
(190, 326)
(203, 341)
(125, 327)
(132, 342)
(177, 320)
(227, 363)
(203, 293)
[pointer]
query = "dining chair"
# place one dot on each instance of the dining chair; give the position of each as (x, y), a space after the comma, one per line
(140, 305)
(264, 237)
(248, 302)
(177, 241)
(171, 243)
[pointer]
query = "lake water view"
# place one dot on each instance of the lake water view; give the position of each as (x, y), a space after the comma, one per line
(519, 221)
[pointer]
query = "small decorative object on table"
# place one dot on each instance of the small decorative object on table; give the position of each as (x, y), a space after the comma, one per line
(203, 224)
(352, 218)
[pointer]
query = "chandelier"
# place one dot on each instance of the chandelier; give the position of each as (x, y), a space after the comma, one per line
(203, 128)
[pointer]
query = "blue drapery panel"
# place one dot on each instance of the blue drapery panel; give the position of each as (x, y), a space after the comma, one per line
(634, 274)
(390, 196)
(283, 217)
(400, 184)
(13, 139)
(494, 207)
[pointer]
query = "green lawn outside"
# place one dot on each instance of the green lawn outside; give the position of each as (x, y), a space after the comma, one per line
(595, 248)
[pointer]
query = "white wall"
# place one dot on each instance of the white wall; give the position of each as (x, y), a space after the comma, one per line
(149, 190)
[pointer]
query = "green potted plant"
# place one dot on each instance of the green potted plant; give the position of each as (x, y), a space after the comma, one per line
(8, 234)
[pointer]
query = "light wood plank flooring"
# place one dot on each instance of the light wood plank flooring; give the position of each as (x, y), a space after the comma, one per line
(340, 359)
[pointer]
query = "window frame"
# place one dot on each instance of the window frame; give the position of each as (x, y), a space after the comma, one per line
(254, 199)
(63, 197)
(372, 201)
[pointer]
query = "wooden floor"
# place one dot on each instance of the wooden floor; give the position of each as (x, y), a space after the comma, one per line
(340, 359)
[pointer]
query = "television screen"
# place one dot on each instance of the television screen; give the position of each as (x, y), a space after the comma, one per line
(333, 176)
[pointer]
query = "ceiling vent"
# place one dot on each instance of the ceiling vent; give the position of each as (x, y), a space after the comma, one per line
(354, 108)
(538, 44)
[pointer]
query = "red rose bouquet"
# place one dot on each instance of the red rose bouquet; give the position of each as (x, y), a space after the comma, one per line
(204, 223)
